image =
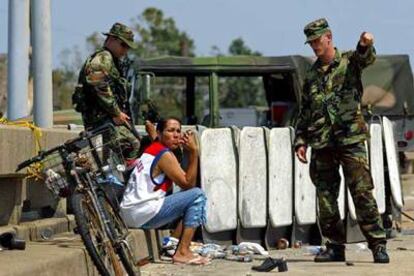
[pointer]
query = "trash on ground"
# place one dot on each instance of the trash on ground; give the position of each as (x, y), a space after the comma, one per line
(9, 241)
(253, 247)
(313, 250)
(282, 243)
(361, 246)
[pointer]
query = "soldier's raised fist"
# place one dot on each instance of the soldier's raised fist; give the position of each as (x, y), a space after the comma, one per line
(366, 39)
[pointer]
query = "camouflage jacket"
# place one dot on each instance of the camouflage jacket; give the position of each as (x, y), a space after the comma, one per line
(104, 86)
(330, 111)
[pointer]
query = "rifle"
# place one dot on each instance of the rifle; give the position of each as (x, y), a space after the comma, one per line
(126, 85)
(151, 113)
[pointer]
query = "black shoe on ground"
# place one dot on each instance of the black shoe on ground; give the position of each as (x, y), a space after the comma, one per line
(380, 254)
(332, 253)
(270, 264)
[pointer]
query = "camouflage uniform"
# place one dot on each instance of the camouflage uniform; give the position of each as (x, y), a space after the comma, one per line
(105, 91)
(331, 122)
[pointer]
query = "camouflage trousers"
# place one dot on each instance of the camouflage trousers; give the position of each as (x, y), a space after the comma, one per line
(128, 143)
(324, 172)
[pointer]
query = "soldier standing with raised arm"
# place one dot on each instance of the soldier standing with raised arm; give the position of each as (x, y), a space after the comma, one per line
(331, 122)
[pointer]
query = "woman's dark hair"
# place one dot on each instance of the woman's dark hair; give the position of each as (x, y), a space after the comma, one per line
(162, 123)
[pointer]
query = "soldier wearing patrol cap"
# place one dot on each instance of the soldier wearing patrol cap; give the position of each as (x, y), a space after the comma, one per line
(331, 123)
(101, 93)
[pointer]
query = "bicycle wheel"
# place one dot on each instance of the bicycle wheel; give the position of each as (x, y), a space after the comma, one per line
(94, 237)
(120, 233)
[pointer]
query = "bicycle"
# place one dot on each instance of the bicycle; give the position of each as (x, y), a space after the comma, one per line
(83, 169)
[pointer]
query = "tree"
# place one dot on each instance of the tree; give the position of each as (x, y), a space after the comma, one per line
(94, 41)
(242, 91)
(65, 78)
(159, 35)
(238, 47)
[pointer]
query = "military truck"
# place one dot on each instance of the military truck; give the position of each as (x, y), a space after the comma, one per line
(388, 87)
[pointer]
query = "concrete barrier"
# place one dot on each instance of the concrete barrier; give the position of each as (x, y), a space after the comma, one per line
(252, 177)
(392, 161)
(218, 170)
(376, 163)
(280, 196)
(16, 145)
(305, 193)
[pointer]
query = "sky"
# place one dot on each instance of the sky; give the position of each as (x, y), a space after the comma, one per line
(272, 27)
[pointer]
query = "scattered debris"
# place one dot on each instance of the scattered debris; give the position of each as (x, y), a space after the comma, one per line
(313, 250)
(46, 233)
(361, 247)
(8, 240)
(282, 243)
(297, 244)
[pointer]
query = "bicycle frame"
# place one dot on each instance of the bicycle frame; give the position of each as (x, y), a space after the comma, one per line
(84, 180)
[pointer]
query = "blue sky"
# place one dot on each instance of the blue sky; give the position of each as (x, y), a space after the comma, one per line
(272, 27)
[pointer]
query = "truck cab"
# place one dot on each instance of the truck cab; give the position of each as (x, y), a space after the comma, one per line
(215, 91)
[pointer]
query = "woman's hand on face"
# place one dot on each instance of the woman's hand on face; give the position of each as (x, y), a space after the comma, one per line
(188, 141)
(150, 129)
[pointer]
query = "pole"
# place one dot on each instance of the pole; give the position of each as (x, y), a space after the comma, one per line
(18, 59)
(42, 63)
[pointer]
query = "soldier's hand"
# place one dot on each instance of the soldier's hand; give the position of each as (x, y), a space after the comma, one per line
(366, 39)
(121, 119)
(301, 154)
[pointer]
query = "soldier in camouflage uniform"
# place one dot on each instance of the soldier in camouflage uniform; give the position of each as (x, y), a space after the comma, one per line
(331, 123)
(101, 93)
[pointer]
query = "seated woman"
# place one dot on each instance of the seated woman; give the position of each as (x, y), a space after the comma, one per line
(145, 203)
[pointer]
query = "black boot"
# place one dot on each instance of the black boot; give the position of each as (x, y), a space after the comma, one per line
(333, 253)
(380, 254)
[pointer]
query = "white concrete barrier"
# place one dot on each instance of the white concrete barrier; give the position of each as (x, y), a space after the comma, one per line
(280, 199)
(391, 154)
(218, 170)
(305, 193)
(252, 177)
(376, 163)
(341, 196)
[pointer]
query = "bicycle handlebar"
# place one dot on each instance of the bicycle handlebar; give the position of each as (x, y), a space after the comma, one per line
(73, 145)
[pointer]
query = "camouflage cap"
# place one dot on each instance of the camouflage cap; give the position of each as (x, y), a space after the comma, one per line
(124, 33)
(315, 29)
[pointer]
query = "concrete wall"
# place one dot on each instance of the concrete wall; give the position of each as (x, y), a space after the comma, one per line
(18, 144)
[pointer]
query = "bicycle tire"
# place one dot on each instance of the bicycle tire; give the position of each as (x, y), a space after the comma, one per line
(93, 234)
(119, 231)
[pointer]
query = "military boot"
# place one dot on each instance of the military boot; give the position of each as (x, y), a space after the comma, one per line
(380, 254)
(332, 253)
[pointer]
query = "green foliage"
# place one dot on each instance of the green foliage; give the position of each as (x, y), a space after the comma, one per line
(63, 85)
(94, 41)
(241, 91)
(65, 78)
(159, 35)
(238, 47)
